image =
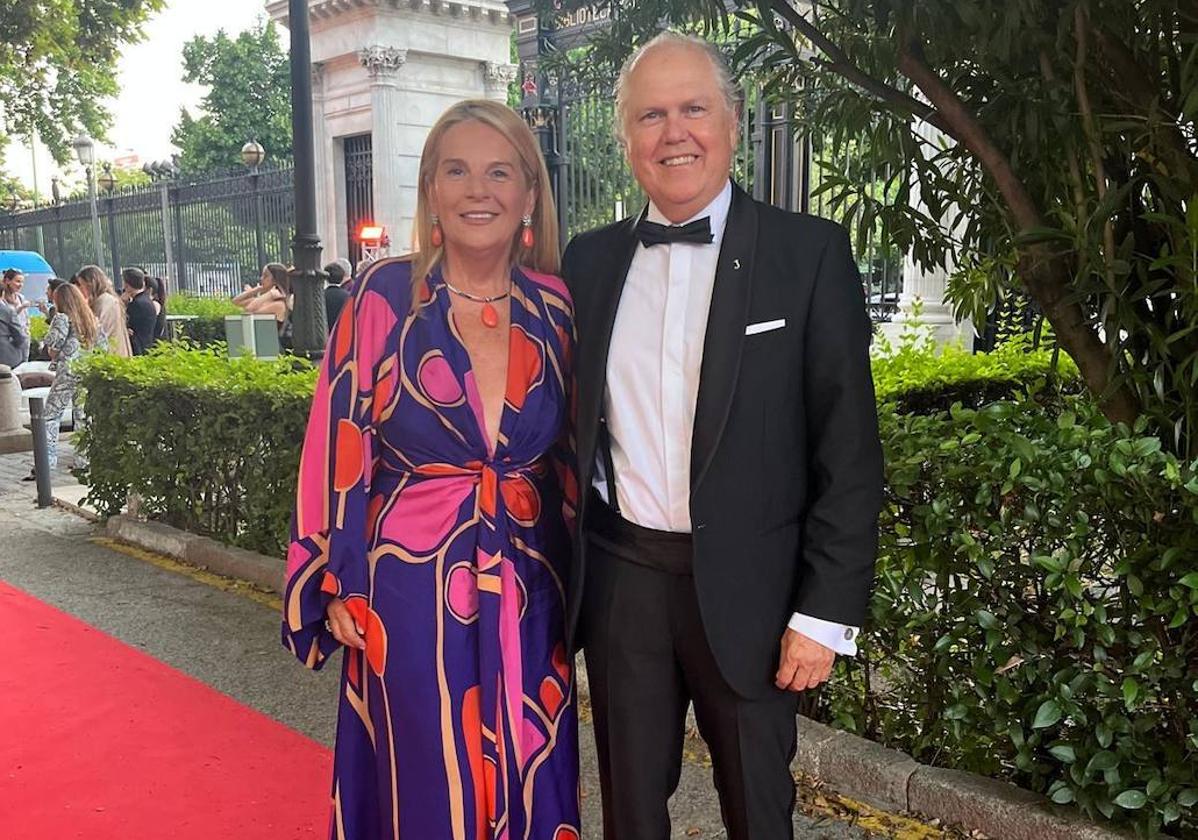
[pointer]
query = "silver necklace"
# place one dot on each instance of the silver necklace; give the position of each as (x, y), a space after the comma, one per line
(489, 316)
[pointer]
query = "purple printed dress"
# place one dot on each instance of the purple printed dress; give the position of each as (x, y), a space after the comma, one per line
(458, 720)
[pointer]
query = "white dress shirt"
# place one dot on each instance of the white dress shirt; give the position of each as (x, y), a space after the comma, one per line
(653, 368)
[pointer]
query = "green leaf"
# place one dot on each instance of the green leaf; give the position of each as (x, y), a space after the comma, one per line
(1063, 753)
(1188, 798)
(1102, 761)
(1131, 690)
(1131, 799)
(1049, 714)
(987, 620)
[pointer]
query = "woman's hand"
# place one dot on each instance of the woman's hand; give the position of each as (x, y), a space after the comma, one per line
(342, 625)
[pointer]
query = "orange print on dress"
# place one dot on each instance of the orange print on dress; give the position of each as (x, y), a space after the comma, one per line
(523, 503)
(523, 367)
(551, 696)
(348, 455)
(345, 336)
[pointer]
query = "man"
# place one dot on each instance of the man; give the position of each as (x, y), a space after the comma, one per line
(140, 315)
(727, 429)
(336, 293)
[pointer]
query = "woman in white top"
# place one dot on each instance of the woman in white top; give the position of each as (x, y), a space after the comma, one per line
(109, 311)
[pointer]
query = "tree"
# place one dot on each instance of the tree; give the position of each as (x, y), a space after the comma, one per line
(57, 65)
(1069, 149)
(249, 97)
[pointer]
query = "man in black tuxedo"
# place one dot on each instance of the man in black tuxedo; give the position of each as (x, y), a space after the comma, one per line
(729, 459)
(139, 310)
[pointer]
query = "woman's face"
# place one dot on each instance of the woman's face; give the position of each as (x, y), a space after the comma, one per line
(267, 280)
(479, 191)
(87, 298)
(14, 285)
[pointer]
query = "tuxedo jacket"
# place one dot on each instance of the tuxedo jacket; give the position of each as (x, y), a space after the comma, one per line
(786, 464)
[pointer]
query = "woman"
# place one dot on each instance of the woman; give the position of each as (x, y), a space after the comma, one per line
(14, 320)
(73, 331)
(430, 534)
(158, 294)
(107, 307)
(272, 295)
(10, 293)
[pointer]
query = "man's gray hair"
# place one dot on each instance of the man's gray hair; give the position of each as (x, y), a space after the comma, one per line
(733, 96)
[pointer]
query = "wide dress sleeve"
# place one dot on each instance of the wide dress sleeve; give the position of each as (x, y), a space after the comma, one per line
(328, 553)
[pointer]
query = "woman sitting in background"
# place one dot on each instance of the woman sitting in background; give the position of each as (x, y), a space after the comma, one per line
(73, 331)
(272, 295)
(107, 308)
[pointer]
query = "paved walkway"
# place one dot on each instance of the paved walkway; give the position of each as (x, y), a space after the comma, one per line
(228, 636)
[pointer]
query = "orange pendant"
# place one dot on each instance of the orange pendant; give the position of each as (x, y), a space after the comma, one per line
(490, 317)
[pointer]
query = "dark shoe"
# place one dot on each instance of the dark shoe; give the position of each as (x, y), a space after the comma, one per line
(31, 477)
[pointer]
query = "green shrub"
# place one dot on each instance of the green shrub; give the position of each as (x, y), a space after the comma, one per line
(917, 376)
(1034, 609)
(208, 325)
(38, 327)
(210, 444)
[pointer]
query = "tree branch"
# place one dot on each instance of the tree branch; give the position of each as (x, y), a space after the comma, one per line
(840, 63)
(1080, 30)
(1042, 272)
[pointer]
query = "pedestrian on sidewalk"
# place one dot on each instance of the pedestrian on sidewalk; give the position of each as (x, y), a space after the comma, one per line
(107, 307)
(728, 454)
(11, 295)
(430, 536)
(73, 331)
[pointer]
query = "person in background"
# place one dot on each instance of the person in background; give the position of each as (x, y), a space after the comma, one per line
(10, 293)
(139, 310)
(272, 295)
(47, 305)
(14, 342)
(107, 308)
(335, 294)
(73, 331)
(158, 295)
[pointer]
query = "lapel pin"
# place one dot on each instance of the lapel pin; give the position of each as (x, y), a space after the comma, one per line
(736, 265)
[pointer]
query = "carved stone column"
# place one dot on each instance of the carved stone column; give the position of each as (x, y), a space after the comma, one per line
(326, 208)
(383, 64)
(497, 78)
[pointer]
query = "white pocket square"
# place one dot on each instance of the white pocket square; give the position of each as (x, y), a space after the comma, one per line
(765, 326)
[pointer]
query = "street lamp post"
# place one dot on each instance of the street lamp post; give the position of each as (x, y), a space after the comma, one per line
(252, 155)
(107, 182)
(309, 321)
(85, 150)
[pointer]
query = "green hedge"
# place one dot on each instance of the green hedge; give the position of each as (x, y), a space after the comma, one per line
(210, 444)
(1034, 609)
(208, 326)
(1037, 583)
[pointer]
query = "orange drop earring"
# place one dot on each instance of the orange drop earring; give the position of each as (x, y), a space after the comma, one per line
(527, 239)
(437, 238)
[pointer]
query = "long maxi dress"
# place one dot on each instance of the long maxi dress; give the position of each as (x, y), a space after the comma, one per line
(458, 721)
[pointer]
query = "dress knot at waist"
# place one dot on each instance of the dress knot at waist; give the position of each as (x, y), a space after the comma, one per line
(478, 470)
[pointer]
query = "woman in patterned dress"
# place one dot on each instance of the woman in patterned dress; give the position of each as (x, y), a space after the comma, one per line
(73, 331)
(436, 490)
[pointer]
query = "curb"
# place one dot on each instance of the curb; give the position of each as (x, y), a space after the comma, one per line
(202, 552)
(847, 763)
(893, 781)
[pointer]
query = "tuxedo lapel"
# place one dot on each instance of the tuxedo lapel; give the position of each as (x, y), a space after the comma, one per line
(725, 331)
(608, 276)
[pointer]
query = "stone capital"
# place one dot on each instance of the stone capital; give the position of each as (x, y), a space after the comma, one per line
(382, 62)
(497, 76)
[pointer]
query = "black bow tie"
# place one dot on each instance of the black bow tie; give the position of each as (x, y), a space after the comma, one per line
(651, 233)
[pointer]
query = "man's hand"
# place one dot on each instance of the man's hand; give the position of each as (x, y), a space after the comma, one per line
(342, 625)
(803, 663)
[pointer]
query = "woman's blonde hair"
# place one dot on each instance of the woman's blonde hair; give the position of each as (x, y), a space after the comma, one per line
(544, 255)
(70, 302)
(96, 282)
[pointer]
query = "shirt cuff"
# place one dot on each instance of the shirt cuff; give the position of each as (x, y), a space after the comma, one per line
(839, 637)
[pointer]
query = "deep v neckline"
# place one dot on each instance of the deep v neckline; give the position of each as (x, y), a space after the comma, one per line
(466, 367)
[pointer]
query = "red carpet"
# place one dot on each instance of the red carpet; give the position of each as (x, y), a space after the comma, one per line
(100, 741)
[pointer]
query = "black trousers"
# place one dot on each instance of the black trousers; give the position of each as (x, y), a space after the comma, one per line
(647, 659)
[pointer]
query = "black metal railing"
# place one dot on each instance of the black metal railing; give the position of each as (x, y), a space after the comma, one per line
(207, 237)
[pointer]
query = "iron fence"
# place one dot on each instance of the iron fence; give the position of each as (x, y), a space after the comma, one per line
(206, 237)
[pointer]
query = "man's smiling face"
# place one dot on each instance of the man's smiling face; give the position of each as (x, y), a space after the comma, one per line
(679, 132)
